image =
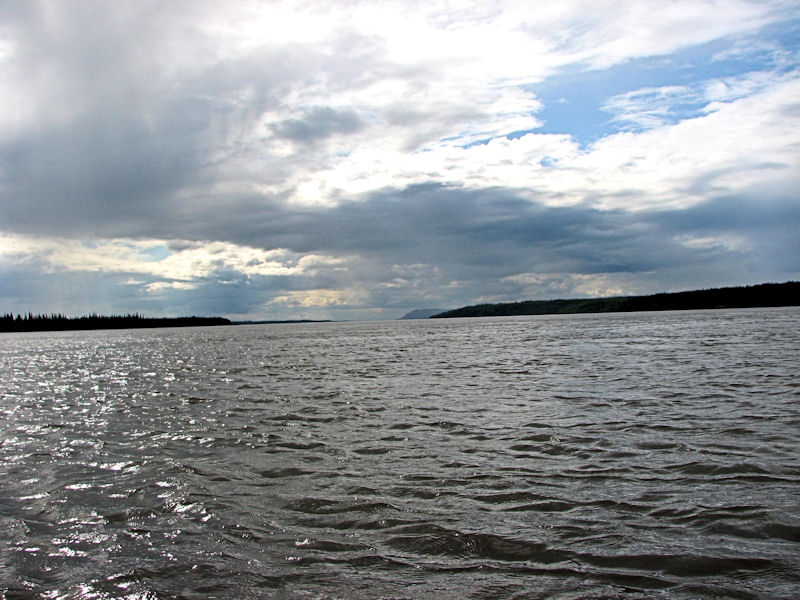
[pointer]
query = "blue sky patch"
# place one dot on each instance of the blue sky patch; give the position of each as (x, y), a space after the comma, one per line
(155, 253)
(576, 101)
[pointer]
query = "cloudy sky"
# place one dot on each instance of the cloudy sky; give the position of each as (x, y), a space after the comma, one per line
(356, 160)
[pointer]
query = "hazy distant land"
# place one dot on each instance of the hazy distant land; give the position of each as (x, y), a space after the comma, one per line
(423, 313)
(767, 294)
(281, 322)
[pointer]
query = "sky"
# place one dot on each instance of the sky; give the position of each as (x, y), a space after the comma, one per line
(357, 160)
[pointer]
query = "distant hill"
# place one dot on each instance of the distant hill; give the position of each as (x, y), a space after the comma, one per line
(767, 294)
(423, 313)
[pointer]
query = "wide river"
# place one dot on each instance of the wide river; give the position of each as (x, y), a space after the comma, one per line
(647, 455)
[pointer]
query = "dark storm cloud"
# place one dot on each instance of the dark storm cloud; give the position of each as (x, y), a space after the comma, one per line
(491, 228)
(318, 123)
(493, 233)
(107, 143)
(62, 182)
(119, 144)
(733, 214)
(767, 223)
(70, 292)
(483, 236)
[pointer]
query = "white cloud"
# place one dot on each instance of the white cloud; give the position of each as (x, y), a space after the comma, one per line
(615, 32)
(649, 107)
(736, 243)
(182, 267)
(159, 287)
(731, 146)
(728, 89)
(423, 80)
(321, 298)
(422, 104)
(742, 144)
(567, 285)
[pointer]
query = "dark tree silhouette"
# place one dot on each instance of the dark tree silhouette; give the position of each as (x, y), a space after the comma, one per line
(60, 322)
(766, 294)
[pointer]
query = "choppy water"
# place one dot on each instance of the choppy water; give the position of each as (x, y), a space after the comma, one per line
(627, 456)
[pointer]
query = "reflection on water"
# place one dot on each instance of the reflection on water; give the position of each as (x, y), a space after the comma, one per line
(630, 456)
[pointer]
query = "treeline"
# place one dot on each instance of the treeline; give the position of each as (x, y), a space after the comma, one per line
(763, 295)
(59, 322)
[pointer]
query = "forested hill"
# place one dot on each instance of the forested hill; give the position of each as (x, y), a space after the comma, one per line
(767, 294)
(31, 322)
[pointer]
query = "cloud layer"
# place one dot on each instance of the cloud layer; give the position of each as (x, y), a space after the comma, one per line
(284, 160)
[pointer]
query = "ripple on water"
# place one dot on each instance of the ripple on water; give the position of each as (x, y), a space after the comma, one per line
(595, 456)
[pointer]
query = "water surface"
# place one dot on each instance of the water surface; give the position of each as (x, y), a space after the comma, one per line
(646, 455)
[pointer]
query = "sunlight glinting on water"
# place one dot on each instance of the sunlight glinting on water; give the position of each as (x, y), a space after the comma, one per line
(628, 455)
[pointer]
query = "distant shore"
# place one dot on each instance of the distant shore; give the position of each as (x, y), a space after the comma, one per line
(53, 322)
(763, 295)
(282, 322)
(755, 296)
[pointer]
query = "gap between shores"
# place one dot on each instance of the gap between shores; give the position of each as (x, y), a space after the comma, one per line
(763, 295)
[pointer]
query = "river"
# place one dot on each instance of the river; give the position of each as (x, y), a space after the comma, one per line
(642, 455)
